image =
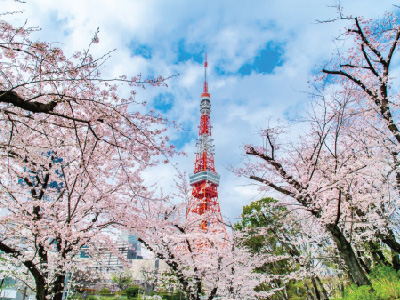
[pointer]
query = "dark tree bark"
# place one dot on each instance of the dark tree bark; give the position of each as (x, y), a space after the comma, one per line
(395, 260)
(310, 295)
(390, 240)
(341, 286)
(58, 287)
(41, 291)
(347, 254)
(11, 97)
(324, 294)
(362, 263)
(316, 291)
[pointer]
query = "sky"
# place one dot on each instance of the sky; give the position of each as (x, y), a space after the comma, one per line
(262, 54)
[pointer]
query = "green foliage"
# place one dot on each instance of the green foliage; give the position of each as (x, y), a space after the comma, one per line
(109, 297)
(175, 296)
(75, 296)
(359, 293)
(385, 286)
(296, 290)
(265, 213)
(104, 291)
(122, 280)
(92, 297)
(267, 228)
(132, 292)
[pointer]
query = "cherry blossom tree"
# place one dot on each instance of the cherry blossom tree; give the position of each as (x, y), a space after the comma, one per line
(344, 171)
(72, 153)
(337, 174)
(366, 70)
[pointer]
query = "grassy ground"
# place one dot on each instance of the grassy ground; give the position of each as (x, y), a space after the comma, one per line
(385, 286)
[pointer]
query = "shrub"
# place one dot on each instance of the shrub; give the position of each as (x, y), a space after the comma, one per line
(92, 297)
(76, 296)
(132, 292)
(386, 283)
(359, 293)
(385, 286)
(175, 296)
(104, 291)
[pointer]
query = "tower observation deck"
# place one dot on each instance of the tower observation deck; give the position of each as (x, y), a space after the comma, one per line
(203, 204)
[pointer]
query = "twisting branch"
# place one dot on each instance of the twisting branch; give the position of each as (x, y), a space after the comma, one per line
(13, 98)
(371, 93)
(278, 167)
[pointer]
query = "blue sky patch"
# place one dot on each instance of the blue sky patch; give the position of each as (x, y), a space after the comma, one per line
(140, 50)
(193, 52)
(184, 137)
(163, 102)
(265, 62)
(220, 70)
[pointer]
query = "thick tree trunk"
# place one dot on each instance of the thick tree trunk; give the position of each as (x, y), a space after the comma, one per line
(377, 255)
(341, 285)
(58, 287)
(324, 294)
(316, 291)
(347, 254)
(362, 263)
(310, 295)
(41, 291)
(395, 260)
(390, 240)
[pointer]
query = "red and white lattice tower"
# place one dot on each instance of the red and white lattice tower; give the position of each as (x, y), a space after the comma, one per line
(203, 205)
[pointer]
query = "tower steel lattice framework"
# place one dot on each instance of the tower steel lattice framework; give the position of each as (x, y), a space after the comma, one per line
(203, 204)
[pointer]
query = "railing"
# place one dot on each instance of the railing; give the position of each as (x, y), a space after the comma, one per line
(204, 175)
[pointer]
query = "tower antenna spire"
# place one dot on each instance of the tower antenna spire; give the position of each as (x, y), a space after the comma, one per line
(205, 87)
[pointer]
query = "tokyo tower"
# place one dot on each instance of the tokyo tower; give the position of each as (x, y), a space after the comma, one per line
(203, 204)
